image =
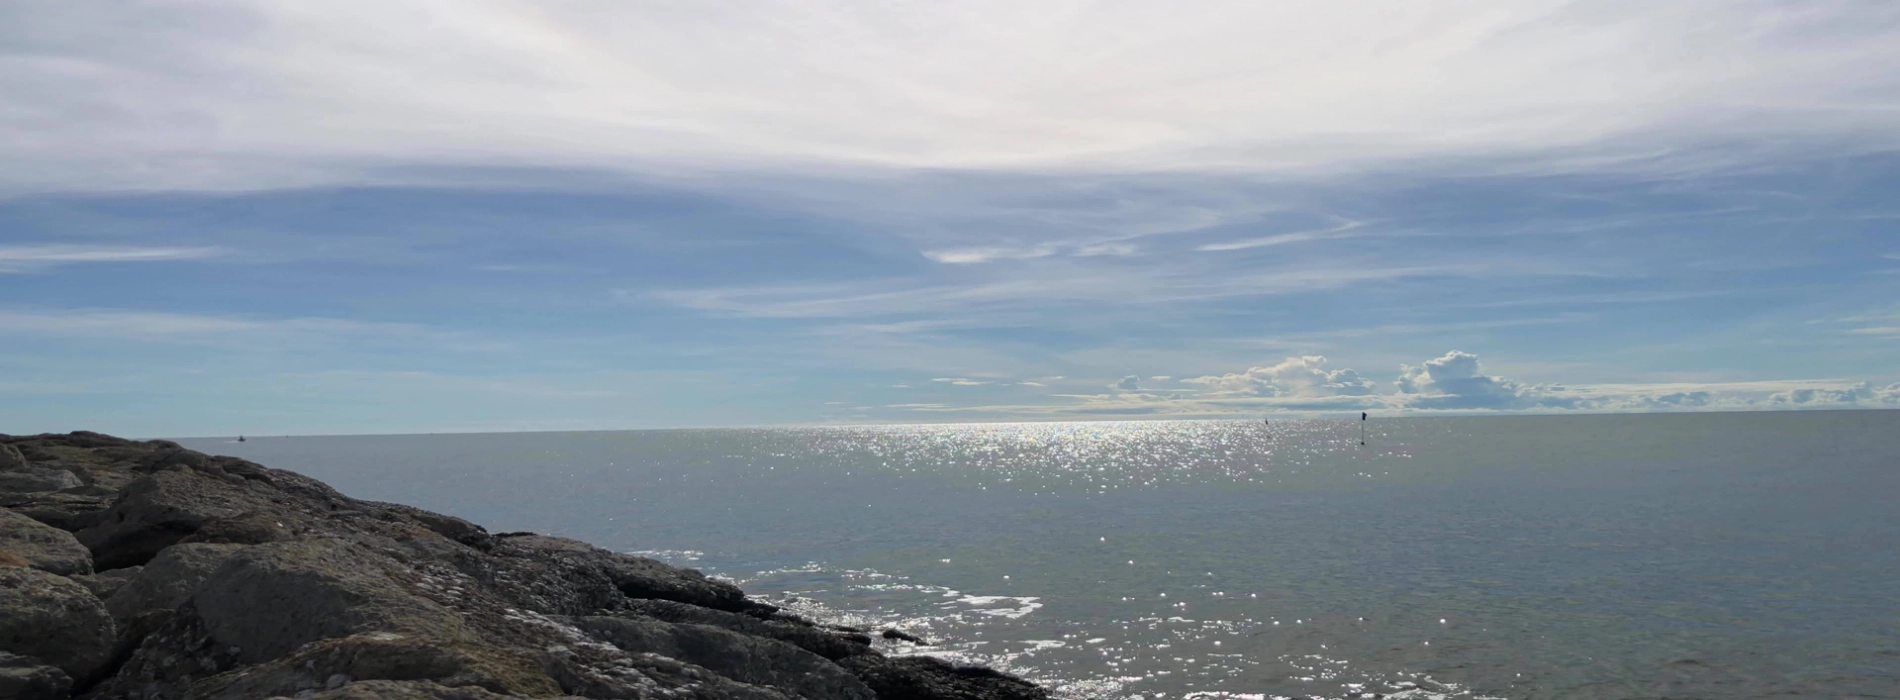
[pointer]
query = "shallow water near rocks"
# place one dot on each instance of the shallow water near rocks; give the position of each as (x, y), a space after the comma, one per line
(1730, 555)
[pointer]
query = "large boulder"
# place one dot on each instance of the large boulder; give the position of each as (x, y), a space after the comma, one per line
(51, 618)
(43, 547)
(188, 491)
(10, 457)
(266, 600)
(743, 658)
(169, 580)
(925, 678)
(71, 510)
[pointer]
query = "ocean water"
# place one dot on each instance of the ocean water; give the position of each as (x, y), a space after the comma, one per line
(1739, 555)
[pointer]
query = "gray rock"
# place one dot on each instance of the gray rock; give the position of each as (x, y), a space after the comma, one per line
(743, 658)
(105, 583)
(50, 617)
(632, 576)
(25, 678)
(797, 633)
(190, 490)
(70, 510)
(405, 690)
(169, 580)
(24, 480)
(266, 600)
(10, 458)
(43, 547)
(331, 664)
(925, 678)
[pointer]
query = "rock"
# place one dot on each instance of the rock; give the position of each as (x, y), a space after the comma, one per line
(926, 678)
(43, 547)
(269, 599)
(632, 576)
(25, 678)
(743, 658)
(105, 583)
(10, 458)
(159, 510)
(402, 690)
(71, 510)
(900, 635)
(169, 580)
(331, 663)
(252, 527)
(24, 480)
(797, 633)
(50, 617)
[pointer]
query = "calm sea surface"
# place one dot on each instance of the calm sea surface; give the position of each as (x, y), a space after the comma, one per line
(1737, 555)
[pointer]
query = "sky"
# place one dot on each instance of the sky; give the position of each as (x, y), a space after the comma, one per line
(255, 217)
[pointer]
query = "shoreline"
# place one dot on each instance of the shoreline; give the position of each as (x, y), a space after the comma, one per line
(141, 569)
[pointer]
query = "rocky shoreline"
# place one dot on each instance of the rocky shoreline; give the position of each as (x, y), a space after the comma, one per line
(140, 569)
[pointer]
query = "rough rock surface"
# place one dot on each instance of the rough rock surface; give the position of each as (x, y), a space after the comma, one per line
(43, 546)
(26, 678)
(54, 619)
(169, 580)
(106, 583)
(220, 579)
(744, 658)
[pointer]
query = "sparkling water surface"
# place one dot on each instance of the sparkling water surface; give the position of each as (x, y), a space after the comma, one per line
(1737, 555)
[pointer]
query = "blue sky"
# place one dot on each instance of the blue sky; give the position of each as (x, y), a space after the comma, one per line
(271, 218)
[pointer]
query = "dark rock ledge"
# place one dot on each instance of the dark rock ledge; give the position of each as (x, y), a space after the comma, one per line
(144, 570)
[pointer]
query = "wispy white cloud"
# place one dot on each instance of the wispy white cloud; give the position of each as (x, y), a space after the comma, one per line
(1339, 231)
(111, 324)
(255, 93)
(961, 381)
(20, 258)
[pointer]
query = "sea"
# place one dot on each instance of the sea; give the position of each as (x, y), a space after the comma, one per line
(1699, 555)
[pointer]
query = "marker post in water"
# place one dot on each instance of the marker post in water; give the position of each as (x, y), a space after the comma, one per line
(1362, 427)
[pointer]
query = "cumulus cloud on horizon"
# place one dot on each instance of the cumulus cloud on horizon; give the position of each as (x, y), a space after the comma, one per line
(1451, 383)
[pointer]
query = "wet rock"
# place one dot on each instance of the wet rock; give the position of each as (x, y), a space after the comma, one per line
(632, 576)
(269, 599)
(25, 480)
(169, 580)
(51, 618)
(901, 635)
(331, 663)
(25, 678)
(740, 657)
(925, 678)
(797, 633)
(43, 547)
(105, 583)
